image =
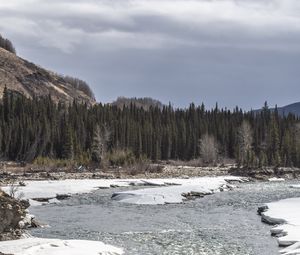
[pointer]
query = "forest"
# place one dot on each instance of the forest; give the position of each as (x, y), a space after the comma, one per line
(7, 45)
(39, 128)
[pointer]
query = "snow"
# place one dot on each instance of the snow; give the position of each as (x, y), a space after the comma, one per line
(176, 194)
(35, 190)
(285, 212)
(297, 186)
(49, 189)
(163, 191)
(275, 179)
(27, 221)
(38, 246)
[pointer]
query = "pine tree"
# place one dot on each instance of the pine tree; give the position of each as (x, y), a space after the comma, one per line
(67, 143)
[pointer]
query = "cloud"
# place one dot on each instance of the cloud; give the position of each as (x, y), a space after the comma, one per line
(232, 51)
(151, 23)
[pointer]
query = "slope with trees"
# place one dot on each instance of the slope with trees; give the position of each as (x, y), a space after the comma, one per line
(7, 45)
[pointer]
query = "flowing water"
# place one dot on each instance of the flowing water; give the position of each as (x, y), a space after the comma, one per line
(221, 224)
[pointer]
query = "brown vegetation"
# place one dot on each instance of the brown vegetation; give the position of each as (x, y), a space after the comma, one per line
(31, 81)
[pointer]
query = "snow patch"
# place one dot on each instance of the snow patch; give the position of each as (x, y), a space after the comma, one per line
(297, 186)
(44, 192)
(285, 212)
(275, 179)
(184, 189)
(38, 246)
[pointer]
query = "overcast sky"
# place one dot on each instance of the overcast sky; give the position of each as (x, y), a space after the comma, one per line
(234, 52)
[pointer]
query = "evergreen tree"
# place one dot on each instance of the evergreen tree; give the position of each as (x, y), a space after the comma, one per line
(39, 127)
(67, 143)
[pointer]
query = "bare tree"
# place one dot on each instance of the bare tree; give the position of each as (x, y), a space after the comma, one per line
(245, 141)
(14, 191)
(99, 145)
(208, 149)
(80, 85)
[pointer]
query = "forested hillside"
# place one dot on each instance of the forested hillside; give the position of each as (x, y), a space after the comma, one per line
(32, 80)
(40, 127)
(7, 45)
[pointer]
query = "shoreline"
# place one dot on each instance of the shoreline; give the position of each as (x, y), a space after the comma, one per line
(15, 175)
(284, 216)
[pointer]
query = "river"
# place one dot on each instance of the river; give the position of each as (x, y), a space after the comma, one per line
(225, 223)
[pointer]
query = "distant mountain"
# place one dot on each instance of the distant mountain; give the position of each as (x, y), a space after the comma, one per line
(144, 103)
(285, 110)
(291, 108)
(31, 80)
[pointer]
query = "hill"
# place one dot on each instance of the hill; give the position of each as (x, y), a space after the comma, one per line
(144, 103)
(291, 108)
(286, 110)
(31, 80)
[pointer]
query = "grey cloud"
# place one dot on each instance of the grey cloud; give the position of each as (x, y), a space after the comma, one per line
(235, 52)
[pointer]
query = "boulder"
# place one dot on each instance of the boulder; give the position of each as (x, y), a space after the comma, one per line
(262, 209)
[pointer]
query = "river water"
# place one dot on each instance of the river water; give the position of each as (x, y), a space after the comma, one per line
(221, 224)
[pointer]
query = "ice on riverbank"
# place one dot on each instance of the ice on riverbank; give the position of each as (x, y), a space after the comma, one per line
(38, 246)
(287, 213)
(297, 186)
(39, 192)
(275, 179)
(43, 192)
(184, 189)
(50, 189)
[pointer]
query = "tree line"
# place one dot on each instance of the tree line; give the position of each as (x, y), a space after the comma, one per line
(79, 85)
(7, 45)
(145, 102)
(40, 128)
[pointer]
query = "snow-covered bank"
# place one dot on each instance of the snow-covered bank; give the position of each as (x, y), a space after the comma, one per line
(275, 179)
(287, 213)
(38, 246)
(49, 190)
(184, 189)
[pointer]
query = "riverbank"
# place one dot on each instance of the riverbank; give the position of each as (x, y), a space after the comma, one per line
(13, 217)
(285, 215)
(264, 174)
(15, 173)
(52, 191)
(41, 246)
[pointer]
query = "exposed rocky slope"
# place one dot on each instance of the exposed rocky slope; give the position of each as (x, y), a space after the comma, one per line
(31, 80)
(12, 213)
